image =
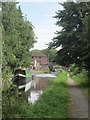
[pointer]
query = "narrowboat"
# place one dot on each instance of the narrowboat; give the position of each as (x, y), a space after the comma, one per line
(22, 78)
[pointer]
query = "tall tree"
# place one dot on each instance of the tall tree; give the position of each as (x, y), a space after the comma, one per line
(85, 17)
(18, 37)
(72, 38)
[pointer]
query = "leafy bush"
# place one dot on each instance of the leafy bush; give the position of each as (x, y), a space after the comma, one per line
(71, 74)
(50, 67)
(80, 77)
(74, 70)
(14, 106)
(72, 67)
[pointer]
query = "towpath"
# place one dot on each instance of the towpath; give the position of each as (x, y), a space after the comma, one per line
(79, 103)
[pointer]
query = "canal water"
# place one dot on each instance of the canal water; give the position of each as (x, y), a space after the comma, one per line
(38, 86)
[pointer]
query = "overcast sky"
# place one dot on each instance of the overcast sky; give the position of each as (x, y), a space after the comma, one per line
(41, 15)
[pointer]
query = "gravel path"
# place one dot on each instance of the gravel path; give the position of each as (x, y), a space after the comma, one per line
(79, 103)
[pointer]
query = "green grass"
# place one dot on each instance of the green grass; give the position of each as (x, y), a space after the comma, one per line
(41, 72)
(53, 103)
(14, 106)
(82, 80)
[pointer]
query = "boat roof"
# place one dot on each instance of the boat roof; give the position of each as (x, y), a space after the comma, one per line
(27, 71)
(20, 69)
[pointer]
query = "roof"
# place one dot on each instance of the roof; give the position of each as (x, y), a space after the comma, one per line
(38, 54)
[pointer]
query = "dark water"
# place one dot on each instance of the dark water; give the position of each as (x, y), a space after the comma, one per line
(39, 84)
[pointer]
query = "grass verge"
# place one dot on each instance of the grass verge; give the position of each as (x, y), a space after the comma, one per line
(41, 72)
(53, 103)
(82, 80)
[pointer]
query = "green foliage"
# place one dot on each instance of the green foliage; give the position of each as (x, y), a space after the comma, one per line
(50, 67)
(74, 70)
(80, 78)
(60, 71)
(51, 53)
(18, 37)
(41, 72)
(53, 103)
(72, 67)
(13, 105)
(74, 36)
(35, 50)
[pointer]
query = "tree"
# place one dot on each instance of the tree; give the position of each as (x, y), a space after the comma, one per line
(85, 17)
(18, 37)
(72, 37)
(35, 50)
(51, 53)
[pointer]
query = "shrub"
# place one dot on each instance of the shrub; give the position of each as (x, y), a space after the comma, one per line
(72, 67)
(50, 67)
(74, 70)
(81, 78)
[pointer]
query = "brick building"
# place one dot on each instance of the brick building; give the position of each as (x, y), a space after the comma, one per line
(40, 61)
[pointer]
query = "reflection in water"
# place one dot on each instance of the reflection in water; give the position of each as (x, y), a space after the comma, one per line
(47, 75)
(34, 95)
(38, 86)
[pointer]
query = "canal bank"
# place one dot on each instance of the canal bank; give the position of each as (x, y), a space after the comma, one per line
(53, 103)
(41, 82)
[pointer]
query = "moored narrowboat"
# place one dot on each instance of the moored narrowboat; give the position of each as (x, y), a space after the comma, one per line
(22, 78)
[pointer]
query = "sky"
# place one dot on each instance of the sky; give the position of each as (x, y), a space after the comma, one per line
(40, 14)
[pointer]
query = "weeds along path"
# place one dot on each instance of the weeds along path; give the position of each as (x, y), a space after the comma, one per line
(79, 103)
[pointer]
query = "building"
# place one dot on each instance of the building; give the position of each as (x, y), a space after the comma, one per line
(40, 61)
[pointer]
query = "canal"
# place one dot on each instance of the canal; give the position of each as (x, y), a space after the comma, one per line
(38, 86)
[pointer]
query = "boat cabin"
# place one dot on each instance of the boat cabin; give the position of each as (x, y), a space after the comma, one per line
(22, 78)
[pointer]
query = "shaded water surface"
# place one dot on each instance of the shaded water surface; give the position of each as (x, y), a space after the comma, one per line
(38, 85)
